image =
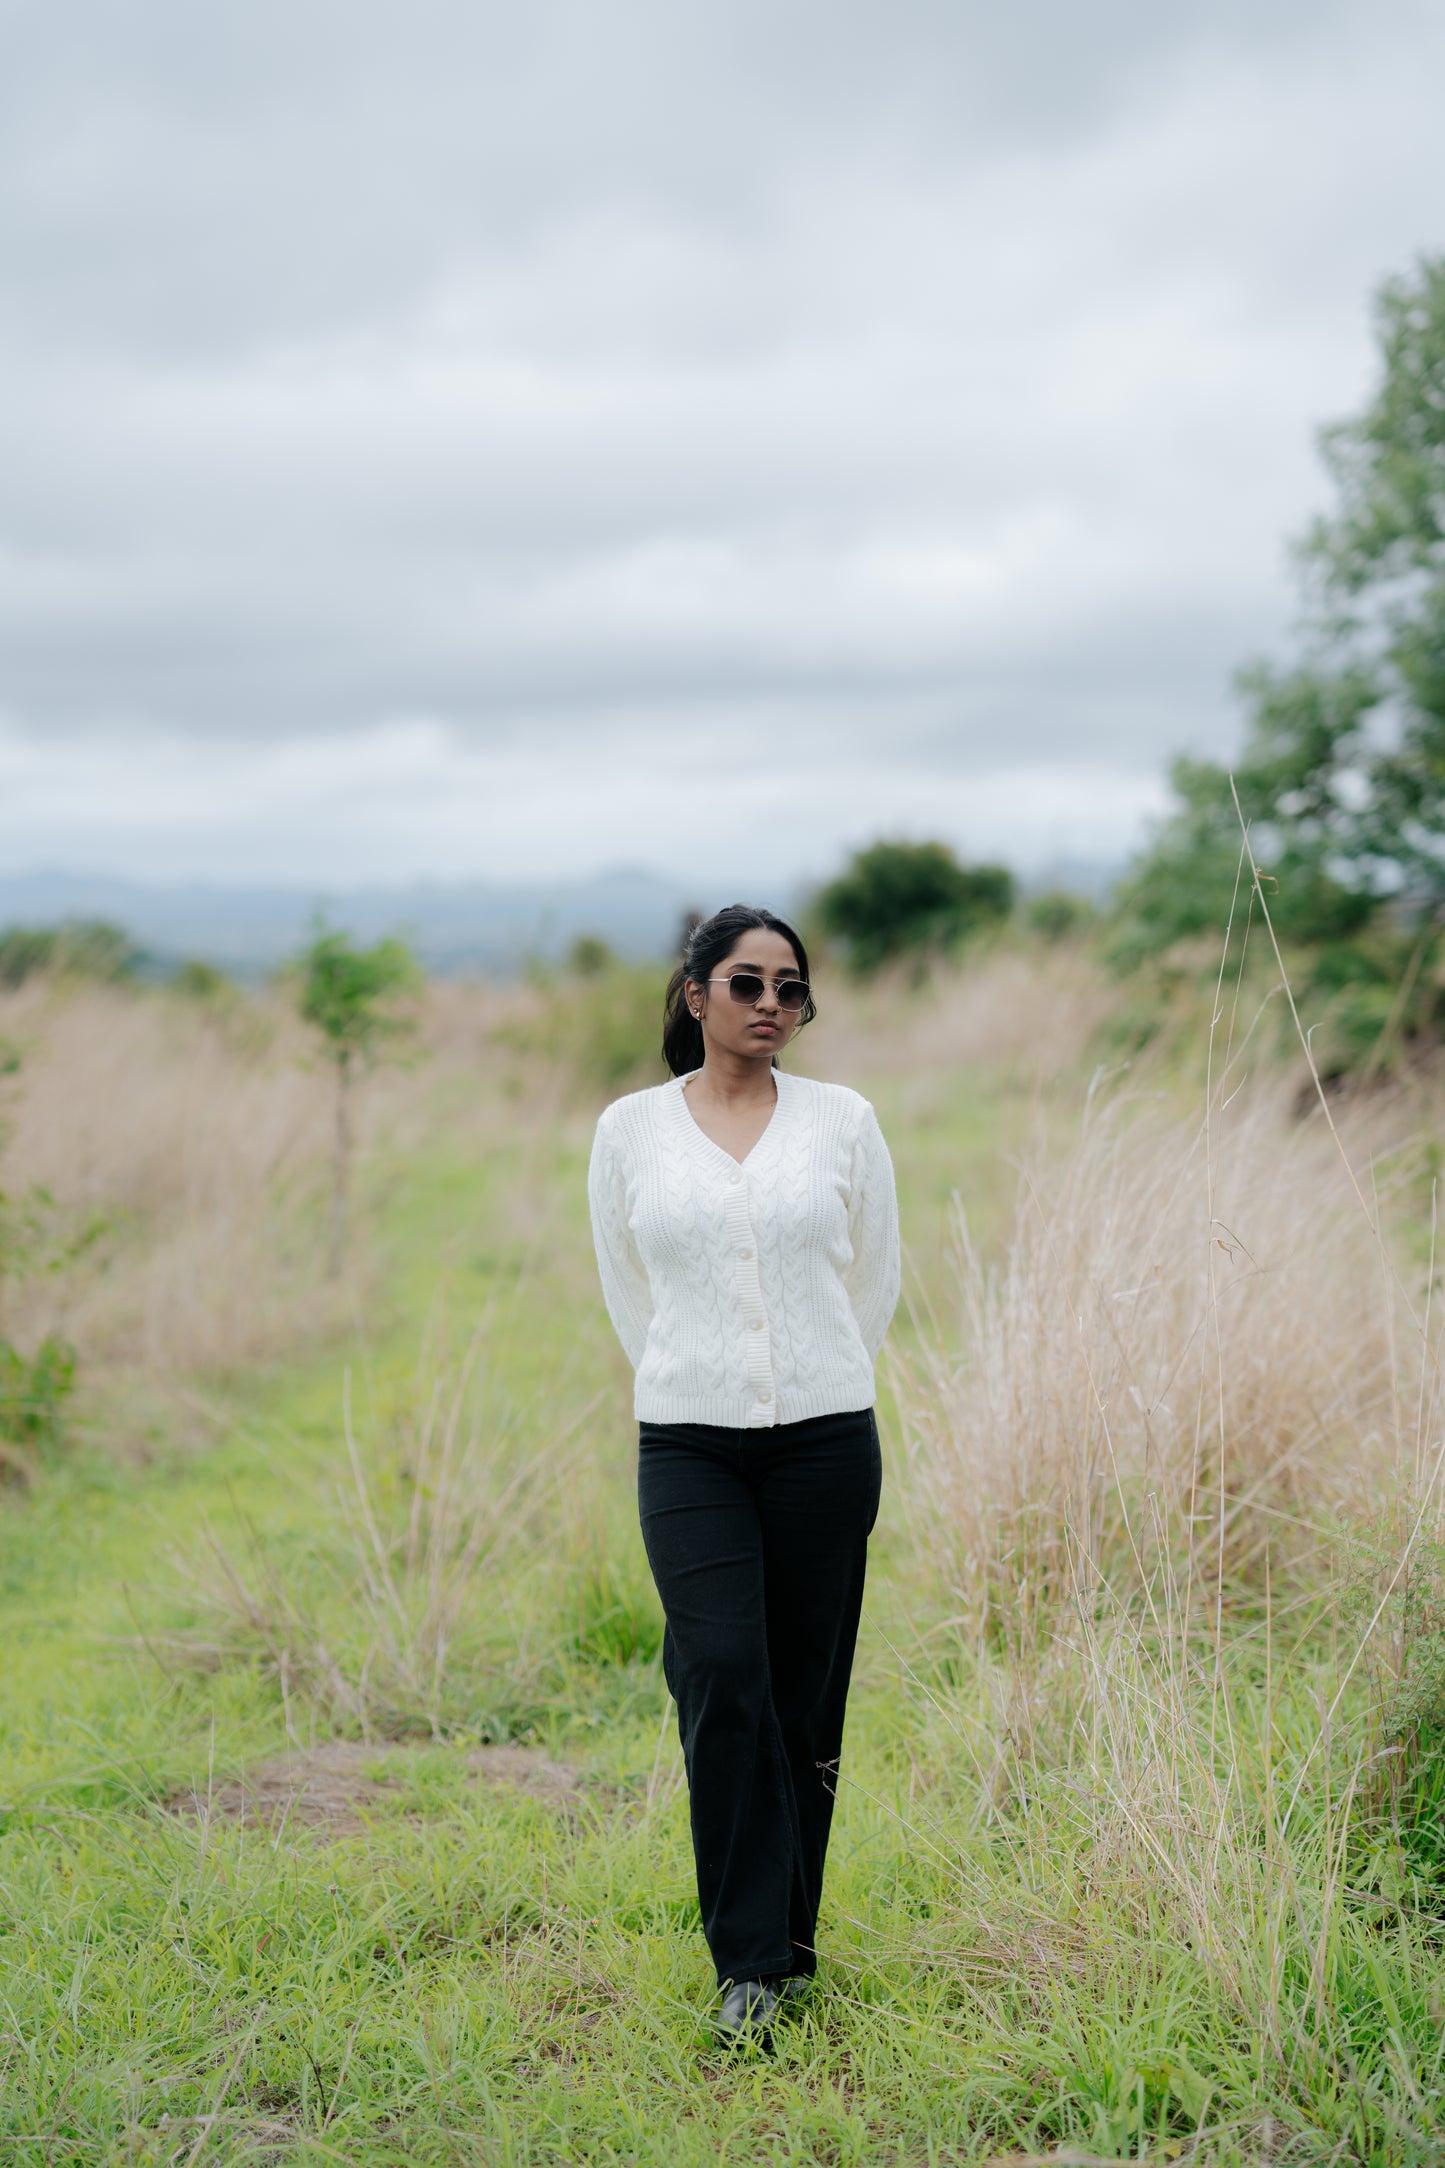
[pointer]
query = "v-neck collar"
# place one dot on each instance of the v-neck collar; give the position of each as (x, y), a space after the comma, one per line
(782, 1086)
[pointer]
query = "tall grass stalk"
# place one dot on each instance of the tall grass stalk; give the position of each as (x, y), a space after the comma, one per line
(1153, 1297)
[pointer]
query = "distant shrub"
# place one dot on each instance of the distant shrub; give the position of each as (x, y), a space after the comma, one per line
(25, 951)
(899, 899)
(91, 948)
(618, 1030)
(1056, 914)
(604, 1028)
(588, 956)
(88, 948)
(34, 1390)
(200, 981)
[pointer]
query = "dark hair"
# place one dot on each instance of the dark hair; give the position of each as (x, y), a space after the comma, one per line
(708, 943)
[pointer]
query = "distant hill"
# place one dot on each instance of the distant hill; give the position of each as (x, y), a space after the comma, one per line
(455, 927)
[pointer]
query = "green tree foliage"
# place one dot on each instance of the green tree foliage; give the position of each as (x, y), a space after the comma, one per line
(1289, 786)
(88, 948)
(354, 997)
(898, 899)
(1342, 776)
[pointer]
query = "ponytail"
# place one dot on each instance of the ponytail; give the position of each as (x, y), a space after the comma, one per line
(682, 1047)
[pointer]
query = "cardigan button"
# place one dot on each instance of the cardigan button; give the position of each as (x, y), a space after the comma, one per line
(755, 1324)
(745, 1253)
(764, 1394)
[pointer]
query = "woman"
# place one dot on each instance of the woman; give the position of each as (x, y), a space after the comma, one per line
(747, 1236)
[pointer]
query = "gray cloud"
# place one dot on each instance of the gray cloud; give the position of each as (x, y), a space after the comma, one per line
(530, 397)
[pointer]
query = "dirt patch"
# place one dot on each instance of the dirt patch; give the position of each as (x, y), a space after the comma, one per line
(338, 1786)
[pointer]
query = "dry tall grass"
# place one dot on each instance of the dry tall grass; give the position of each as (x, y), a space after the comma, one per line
(1028, 1011)
(1138, 1450)
(1194, 1350)
(198, 1133)
(196, 1136)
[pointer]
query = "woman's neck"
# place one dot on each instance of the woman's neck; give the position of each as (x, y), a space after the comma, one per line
(733, 1080)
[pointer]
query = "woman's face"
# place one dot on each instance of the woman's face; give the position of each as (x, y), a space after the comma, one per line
(731, 1026)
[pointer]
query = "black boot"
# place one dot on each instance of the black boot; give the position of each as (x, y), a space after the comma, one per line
(747, 2012)
(793, 1990)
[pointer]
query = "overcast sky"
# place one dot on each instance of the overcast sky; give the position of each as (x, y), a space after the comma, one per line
(478, 440)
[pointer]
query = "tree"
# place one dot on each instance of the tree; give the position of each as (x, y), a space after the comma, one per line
(1342, 777)
(1305, 730)
(909, 899)
(353, 997)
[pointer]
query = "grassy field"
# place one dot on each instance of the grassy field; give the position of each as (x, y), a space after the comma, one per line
(341, 1811)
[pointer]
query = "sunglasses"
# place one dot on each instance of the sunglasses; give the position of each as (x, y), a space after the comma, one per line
(746, 988)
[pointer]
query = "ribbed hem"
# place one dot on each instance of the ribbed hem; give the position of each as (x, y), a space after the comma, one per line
(741, 1411)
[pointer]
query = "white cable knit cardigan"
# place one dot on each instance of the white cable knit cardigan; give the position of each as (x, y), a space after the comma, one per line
(747, 1294)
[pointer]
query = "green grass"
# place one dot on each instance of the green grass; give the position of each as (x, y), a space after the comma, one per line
(482, 1976)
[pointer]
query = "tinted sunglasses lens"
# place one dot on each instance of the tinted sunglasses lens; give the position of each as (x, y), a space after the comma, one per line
(746, 988)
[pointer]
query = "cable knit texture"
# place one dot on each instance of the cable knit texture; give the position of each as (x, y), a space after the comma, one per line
(747, 1294)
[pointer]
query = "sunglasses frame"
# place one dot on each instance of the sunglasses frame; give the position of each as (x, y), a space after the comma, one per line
(750, 1001)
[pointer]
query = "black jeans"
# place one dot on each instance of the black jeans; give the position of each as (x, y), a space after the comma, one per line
(758, 1541)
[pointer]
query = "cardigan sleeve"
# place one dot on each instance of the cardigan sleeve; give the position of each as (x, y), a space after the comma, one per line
(625, 1288)
(873, 1278)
